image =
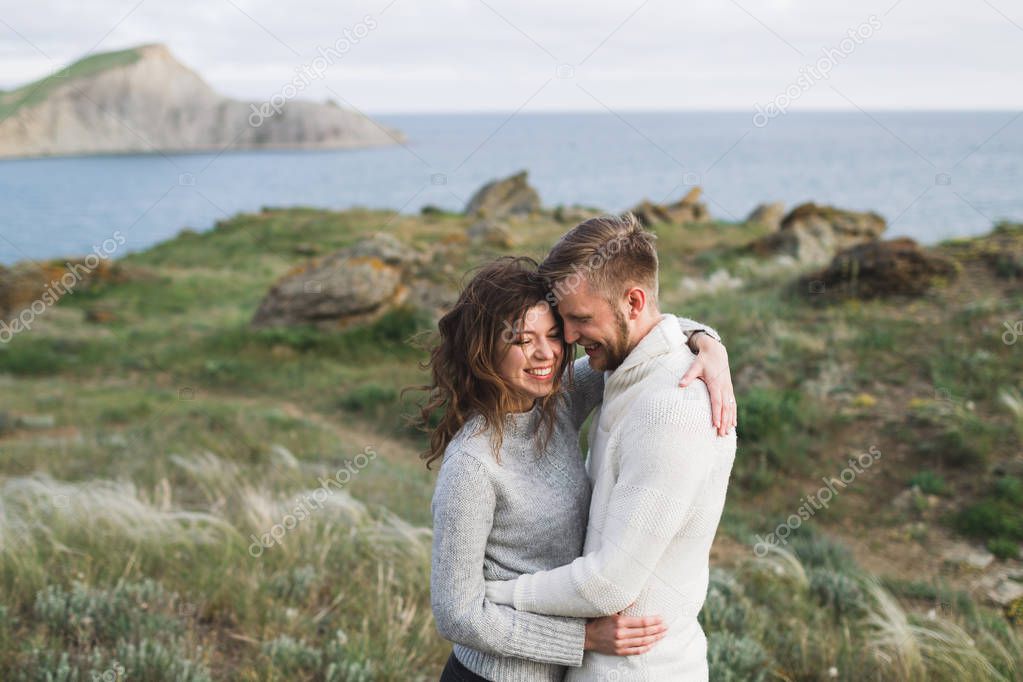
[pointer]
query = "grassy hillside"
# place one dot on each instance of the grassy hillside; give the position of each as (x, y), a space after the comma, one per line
(148, 434)
(38, 91)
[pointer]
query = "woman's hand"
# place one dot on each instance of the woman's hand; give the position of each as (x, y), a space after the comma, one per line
(620, 635)
(711, 367)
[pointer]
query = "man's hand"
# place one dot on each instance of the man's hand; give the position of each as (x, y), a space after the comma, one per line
(711, 367)
(620, 635)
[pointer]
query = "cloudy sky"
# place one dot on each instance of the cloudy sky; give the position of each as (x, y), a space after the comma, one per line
(503, 55)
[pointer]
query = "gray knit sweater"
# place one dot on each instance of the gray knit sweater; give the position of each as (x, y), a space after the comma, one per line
(499, 520)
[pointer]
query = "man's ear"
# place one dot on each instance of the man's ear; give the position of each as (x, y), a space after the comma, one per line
(636, 299)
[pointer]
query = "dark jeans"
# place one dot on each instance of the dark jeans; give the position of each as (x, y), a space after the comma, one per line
(454, 671)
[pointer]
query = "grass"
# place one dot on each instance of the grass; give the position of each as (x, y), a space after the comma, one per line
(180, 433)
(807, 611)
(997, 517)
(37, 91)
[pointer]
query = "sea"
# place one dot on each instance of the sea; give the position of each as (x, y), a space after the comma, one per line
(934, 175)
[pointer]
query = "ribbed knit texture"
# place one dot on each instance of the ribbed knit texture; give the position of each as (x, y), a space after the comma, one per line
(496, 521)
(660, 474)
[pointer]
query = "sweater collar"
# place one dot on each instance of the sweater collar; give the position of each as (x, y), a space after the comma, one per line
(664, 338)
(520, 424)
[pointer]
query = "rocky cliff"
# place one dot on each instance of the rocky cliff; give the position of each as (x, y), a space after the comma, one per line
(144, 100)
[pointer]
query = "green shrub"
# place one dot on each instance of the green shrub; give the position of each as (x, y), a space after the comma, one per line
(128, 610)
(957, 437)
(838, 592)
(877, 338)
(384, 339)
(152, 660)
(367, 398)
(146, 660)
(296, 659)
(1003, 548)
(295, 584)
(735, 658)
(726, 607)
(49, 666)
(776, 429)
(818, 551)
(987, 518)
(764, 412)
(1009, 489)
(929, 483)
(293, 657)
(32, 357)
(126, 414)
(998, 515)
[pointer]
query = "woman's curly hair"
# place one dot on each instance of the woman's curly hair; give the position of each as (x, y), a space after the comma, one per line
(466, 355)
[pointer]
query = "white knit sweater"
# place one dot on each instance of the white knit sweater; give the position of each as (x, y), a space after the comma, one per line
(659, 472)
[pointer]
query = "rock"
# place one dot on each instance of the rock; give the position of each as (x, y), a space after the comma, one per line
(897, 267)
(1000, 251)
(305, 249)
(350, 286)
(770, 215)
(906, 501)
(500, 198)
(813, 234)
(144, 100)
(36, 421)
(28, 283)
(387, 248)
(649, 213)
(688, 209)
(719, 280)
(961, 555)
(1012, 466)
(575, 214)
(1005, 592)
(100, 315)
(432, 297)
(492, 233)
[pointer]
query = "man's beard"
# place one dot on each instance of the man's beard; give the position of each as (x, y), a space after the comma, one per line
(616, 349)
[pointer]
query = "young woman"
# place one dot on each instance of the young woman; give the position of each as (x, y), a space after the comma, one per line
(512, 495)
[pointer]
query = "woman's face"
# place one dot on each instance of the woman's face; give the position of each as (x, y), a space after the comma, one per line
(532, 355)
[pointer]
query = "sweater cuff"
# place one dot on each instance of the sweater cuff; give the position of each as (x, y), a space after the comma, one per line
(561, 639)
(501, 592)
(525, 595)
(690, 327)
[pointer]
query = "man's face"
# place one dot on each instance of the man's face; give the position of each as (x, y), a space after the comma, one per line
(600, 328)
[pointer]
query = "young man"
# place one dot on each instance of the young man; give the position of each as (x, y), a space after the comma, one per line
(658, 465)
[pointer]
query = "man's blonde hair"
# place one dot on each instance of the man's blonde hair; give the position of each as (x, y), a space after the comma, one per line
(612, 253)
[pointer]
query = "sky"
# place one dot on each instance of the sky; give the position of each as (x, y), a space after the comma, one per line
(404, 56)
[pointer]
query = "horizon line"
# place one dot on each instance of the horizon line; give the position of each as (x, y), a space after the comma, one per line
(694, 110)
